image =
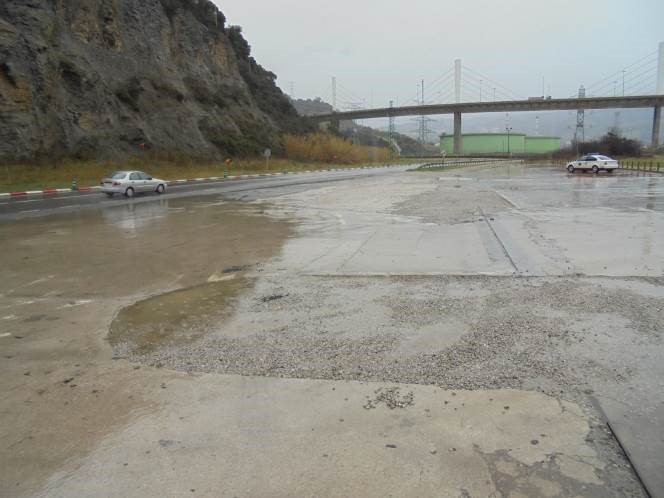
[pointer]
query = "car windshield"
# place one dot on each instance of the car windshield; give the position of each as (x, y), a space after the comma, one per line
(118, 175)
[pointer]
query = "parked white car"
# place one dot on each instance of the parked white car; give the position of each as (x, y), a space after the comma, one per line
(593, 162)
(130, 183)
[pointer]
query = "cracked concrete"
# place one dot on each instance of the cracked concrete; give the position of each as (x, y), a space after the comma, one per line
(378, 291)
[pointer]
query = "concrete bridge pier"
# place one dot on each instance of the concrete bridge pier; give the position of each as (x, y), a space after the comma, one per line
(457, 134)
(656, 120)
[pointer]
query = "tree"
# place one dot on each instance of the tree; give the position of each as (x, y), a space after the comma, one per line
(612, 144)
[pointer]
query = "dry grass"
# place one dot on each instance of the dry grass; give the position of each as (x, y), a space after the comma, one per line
(59, 174)
(323, 147)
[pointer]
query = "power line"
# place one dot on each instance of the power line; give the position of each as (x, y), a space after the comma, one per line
(433, 84)
(625, 80)
(495, 83)
(618, 73)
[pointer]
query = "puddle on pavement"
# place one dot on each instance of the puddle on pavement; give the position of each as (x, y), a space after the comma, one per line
(175, 318)
(133, 248)
(81, 265)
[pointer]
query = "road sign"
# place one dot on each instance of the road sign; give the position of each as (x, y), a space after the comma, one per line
(267, 153)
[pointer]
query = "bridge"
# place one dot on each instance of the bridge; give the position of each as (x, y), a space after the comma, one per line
(460, 90)
(457, 109)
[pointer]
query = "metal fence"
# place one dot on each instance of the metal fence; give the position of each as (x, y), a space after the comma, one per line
(642, 166)
(645, 166)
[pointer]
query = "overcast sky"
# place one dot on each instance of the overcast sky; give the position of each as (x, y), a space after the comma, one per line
(380, 49)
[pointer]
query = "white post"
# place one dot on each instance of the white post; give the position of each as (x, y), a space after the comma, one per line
(660, 70)
(457, 80)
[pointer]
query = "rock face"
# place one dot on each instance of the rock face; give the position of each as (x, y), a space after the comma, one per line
(97, 78)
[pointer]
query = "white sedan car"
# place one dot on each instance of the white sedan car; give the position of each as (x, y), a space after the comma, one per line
(595, 163)
(130, 183)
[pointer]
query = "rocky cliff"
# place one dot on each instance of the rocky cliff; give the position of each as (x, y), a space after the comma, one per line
(97, 78)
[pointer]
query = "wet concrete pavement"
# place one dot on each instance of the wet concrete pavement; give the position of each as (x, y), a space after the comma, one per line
(414, 333)
(275, 437)
(63, 280)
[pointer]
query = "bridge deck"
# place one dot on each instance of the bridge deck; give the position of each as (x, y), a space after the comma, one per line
(500, 106)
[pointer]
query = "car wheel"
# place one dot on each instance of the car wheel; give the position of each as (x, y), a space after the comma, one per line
(595, 169)
(129, 192)
(160, 189)
(570, 168)
(109, 194)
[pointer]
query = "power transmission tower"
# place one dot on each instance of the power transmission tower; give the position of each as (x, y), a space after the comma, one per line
(390, 129)
(423, 121)
(580, 121)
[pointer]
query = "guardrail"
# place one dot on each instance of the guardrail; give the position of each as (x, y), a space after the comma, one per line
(642, 165)
(646, 166)
(443, 163)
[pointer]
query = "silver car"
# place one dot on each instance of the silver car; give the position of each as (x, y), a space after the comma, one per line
(130, 183)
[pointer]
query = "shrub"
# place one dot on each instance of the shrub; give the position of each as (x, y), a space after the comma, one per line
(612, 144)
(324, 147)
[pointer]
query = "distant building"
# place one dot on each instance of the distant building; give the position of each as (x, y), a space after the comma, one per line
(497, 143)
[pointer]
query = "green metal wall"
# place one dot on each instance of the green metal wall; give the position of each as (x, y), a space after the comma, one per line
(542, 145)
(496, 143)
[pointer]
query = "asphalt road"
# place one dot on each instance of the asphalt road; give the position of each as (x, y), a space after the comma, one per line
(21, 207)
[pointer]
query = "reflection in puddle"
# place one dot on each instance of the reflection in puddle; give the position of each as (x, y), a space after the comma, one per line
(131, 217)
(177, 317)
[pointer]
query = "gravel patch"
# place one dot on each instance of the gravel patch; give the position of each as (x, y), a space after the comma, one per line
(391, 398)
(520, 333)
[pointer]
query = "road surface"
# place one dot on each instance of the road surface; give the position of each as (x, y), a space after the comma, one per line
(363, 333)
(40, 205)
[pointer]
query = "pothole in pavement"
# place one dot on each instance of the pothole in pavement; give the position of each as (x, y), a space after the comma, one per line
(174, 318)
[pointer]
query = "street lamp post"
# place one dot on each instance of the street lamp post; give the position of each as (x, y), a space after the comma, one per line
(508, 128)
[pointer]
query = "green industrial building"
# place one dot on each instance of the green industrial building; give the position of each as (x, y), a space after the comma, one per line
(483, 144)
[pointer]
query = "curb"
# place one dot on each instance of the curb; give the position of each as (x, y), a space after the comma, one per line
(46, 191)
(55, 191)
